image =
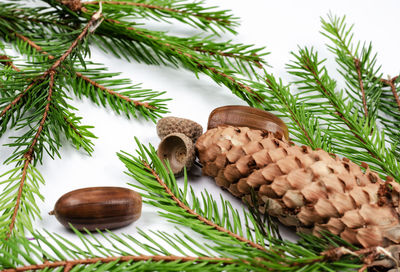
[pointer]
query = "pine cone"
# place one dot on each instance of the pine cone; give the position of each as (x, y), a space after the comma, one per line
(311, 190)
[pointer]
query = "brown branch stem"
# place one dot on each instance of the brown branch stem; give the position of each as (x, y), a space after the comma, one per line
(87, 79)
(198, 62)
(201, 218)
(33, 45)
(357, 65)
(69, 264)
(294, 117)
(74, 44)
(361, 83)
(227, 54)
(71, 125)
(338, 112)
(8, 62)
(101, 87)
(161, 8)
(17, 99)
(28, 156)
(390, 82)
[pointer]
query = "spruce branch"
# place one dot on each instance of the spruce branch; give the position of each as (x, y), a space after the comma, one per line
(391, 84)
(278, 256)
(256, 59)
(16, 100)
(71, 264)
(303, 126)
(6, 60)
(33, 45)
(113, 93)
(63, 254)
(29, 157)
(357, 66)
(314, 80)
(202, 220)
(71, 125)
(191, 13)
(152, 108)
(199, 217)
(191, 60)
(390, 112)
(360, 80)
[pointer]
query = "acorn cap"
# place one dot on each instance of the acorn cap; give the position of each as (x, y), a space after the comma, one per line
(178, 149)
(168, 125)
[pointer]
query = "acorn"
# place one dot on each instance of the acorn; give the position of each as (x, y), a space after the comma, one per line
(178, 149)
(245, 116)
(168, 125)
(98, 208)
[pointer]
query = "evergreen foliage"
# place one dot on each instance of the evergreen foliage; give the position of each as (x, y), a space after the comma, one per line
(54, 43)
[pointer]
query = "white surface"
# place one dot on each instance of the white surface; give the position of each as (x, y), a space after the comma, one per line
(279, 25)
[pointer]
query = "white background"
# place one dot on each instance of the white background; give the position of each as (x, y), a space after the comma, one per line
(281, 26)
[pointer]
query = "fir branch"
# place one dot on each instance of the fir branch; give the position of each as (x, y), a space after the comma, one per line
(390, 112)
(315, 81)
(391, 84)
(70, 264)
(152, 109)
(6, 60)
(113, 93)
(29, 154)
(33, 45)
(16, 100)
(199, 217)
(356, 66)
(290, 109)
(189, 60)
(254, 58)
(193, 14)
(364, 101)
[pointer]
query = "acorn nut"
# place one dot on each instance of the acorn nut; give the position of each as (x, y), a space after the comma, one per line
(178, 149)
(168, 125)
(245, 116)
(98, 208)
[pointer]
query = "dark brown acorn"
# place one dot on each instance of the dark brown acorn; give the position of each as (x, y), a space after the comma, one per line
(245, 116)
(98, 208)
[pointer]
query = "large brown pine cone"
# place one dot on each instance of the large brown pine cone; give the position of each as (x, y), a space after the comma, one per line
(311, 190)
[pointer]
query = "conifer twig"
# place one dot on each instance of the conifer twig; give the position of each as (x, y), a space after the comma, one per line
(29, 155)
(87, 79)
(364, 101)
(33, 45)
(69, 123)
(390, 83)
(161, 8)
(308, 67)
(17, 99)
(69, 264)
(4, 59)
(111, 92)
(227, 54)
(198, 62)
(192, 212)
(291, 113)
